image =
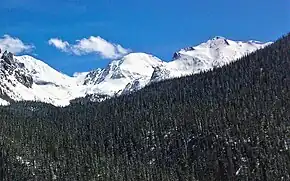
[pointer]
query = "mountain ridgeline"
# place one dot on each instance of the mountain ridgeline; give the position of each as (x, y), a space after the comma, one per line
(231, 123)
(26, 78)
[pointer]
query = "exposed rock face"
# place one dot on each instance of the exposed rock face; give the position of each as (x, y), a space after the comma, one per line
(9, 67)
(92, 77)
(160, 73)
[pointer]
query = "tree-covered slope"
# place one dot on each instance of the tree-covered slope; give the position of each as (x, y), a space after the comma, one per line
(231, 123)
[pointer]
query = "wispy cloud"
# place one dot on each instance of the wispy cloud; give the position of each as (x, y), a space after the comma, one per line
(59, 44)
(14, 45)
(90, 45)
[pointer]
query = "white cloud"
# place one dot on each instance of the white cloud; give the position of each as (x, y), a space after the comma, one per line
(90, 45)
(14, 45)
(59, 44)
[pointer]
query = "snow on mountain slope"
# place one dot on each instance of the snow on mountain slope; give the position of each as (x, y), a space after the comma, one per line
(49, 83)
(119, 74)
(216, 52)
(220, 51)
(43, 73)
(26, 78)
(80, 77)
(3, 102)
(59, 87)
(14, 77)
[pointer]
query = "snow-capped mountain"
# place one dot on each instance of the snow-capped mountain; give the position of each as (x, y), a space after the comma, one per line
(120, 74)
(216, 52)
(26, 78)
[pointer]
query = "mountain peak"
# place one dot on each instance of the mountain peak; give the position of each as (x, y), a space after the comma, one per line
(217, 42)
(218, 38)
(136, 54)
(7, 56)
(138, 59)
(26, 78)
(13, 72)
(123, 73)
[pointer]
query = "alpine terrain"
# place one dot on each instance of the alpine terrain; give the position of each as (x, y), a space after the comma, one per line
(227, 124)
(26, 78)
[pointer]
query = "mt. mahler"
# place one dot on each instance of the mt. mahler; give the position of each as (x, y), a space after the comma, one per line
(26, 78)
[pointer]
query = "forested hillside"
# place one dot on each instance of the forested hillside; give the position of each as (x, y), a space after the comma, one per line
(231, 123)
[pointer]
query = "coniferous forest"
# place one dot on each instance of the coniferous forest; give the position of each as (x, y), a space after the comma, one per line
(232, 123)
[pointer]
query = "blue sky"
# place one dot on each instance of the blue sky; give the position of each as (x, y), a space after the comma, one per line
(157, 27)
